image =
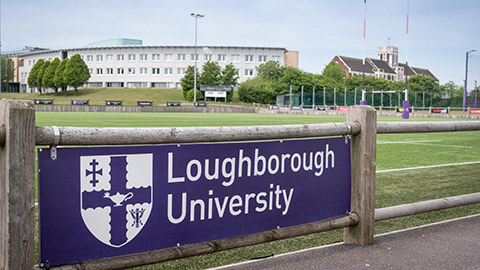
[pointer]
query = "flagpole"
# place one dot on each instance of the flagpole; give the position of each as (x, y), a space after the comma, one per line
(406, 103)
(363, 101)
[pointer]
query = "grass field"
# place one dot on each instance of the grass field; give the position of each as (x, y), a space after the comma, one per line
(394, 151)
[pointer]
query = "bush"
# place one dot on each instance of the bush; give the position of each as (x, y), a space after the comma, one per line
(189, 96)
(256, 90)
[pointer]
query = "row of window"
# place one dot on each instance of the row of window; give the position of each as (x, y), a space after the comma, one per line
(155, 71)
(180, 57)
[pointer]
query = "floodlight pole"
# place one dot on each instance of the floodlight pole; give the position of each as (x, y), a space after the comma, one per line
(466, 76)
(475, 102)
(196, 16)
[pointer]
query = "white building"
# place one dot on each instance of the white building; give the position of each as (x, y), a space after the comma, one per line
(123, 63)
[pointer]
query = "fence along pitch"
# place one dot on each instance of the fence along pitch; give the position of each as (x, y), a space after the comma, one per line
(119, 136)
(17, 185)
(422, 127)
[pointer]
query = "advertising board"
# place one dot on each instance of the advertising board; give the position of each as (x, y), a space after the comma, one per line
(98, 202)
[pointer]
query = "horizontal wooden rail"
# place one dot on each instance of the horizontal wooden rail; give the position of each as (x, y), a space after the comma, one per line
(119, 136)
(425, 206)
(422, 127)
(213, 246)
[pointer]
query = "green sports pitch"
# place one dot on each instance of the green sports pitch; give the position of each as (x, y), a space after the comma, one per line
(410, 167)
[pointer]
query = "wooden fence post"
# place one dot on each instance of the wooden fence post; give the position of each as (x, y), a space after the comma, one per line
(363, 155)
(17, 184)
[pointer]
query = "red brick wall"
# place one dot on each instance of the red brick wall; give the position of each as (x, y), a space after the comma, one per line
(341, 65)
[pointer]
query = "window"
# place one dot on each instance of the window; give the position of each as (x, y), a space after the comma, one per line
(262, 58)
(143, 70)
(29, 62)
(181, 57)
(109, 57)
(90, 70)
(168, 57)
(99, 58)
(131, 57)
(248, 58)
(249, 72)
(208, 57)
(120, 70)
(193, 58)
(99, 71)
(131, 70)
(89, 58)
(237, 71)
(168, 71)
(181, 71)
(143, 57)
(276, 58)
(235, 57)
(221, 58)
(109, 71)
(120, 57)
(155, 70)
(156, 57)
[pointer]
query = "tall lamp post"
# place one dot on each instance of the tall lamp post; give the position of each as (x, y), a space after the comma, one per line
(466, 75)
(196, 16)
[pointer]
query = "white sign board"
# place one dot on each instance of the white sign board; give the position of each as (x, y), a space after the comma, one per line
(216, 94)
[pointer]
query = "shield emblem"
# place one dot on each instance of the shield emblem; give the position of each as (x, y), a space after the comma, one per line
(116, 196)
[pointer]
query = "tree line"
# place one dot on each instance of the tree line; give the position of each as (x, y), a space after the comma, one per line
(273, 79)
(211, 74)
(58, 74)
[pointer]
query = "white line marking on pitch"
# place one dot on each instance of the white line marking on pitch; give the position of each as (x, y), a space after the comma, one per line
(427, 167)
(424, 142)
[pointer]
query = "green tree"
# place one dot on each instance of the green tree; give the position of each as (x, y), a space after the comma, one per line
(229, 77)
(40, 74)
(58, 76)
(188, 80)
(270, 71)
(49, 75)
(333, 76)
(211, 74)
(7, 71)
(190, 95)
(294, 77)
(256, 90)
(422, 83)
(76, 72)
(33, 76)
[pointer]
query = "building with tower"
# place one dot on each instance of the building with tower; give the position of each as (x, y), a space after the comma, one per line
(386, 66)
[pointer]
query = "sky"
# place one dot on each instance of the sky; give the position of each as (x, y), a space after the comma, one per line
(440, 32)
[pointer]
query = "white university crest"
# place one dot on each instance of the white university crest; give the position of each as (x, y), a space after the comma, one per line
(116, 196)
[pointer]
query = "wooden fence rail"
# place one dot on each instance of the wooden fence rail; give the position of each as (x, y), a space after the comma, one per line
(422, 127)
(118, 136)
(425, 206)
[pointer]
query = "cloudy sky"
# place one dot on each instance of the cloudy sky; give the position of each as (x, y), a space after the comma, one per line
(440, 32)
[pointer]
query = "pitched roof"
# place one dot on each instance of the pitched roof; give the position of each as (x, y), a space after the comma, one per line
(410, 70)
(382, 65)
(356, 65)
(424, 72)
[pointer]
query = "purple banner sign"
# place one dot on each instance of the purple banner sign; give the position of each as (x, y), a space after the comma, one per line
(98, 202)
